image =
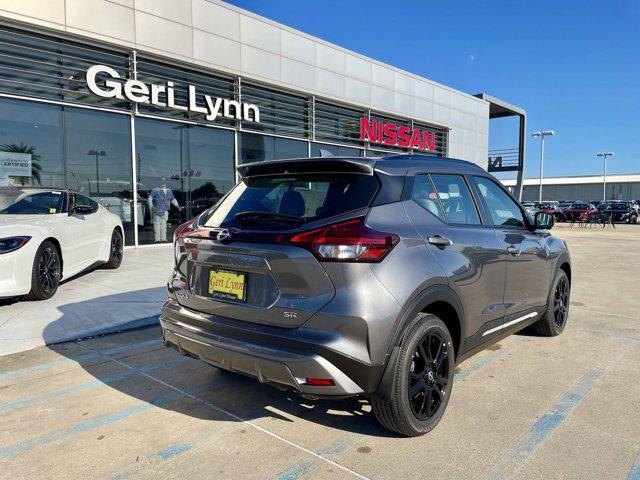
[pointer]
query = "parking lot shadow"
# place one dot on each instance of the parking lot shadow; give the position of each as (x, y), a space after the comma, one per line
(135, 363)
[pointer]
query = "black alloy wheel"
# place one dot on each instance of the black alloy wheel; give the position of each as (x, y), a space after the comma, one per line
(116, 251)
(49, 270)
(116, 248)
(561, 302)
(555, 317)
(419, 378)
(428, 376)
(46, 272)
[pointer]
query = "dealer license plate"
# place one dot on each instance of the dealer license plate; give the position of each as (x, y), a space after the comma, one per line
(227, 285)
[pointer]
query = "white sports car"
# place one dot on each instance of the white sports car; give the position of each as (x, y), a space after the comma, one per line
(47, 235)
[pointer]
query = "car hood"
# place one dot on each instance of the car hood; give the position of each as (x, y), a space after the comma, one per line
(26, 224)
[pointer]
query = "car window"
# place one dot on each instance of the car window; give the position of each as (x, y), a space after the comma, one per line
(310, 196)
(84, 201)
(456, 199)
(22, 202)
(425, 196)
(503, 210)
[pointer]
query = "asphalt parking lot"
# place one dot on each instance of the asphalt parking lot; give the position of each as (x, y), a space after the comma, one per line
(121, 406)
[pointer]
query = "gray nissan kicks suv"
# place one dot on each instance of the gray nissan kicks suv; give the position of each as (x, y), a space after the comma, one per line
(363, 276)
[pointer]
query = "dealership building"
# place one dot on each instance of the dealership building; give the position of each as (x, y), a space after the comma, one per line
(124, 100)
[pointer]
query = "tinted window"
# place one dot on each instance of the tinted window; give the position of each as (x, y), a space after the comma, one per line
(255, 148)
(456, 199)
(425, 196)
(19, 202)
(84, 202)
(310, 197)
(503, 210)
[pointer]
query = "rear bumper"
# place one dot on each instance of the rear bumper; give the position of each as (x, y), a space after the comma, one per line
(284, 357)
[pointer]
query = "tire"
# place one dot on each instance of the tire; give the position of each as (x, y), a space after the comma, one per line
(406, 414)
(46, 272)
(555, 318)
(115, 251)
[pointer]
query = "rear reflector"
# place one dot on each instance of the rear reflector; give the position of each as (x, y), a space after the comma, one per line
(320, 382)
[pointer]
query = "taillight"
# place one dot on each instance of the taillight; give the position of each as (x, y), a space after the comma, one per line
(349, 241)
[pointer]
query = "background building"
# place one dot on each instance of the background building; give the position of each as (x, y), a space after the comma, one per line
(312, 98)
(586, 188)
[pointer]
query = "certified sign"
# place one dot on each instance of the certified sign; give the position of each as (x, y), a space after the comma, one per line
(15, 164)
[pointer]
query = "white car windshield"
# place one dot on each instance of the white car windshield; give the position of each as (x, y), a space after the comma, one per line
(30, 202)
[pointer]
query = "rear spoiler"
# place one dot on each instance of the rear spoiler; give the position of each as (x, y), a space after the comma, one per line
(307, 165)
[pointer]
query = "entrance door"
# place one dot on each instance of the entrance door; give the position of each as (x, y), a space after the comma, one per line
(195, 163)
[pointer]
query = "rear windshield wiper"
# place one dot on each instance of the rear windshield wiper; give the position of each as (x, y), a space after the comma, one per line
(270, 217)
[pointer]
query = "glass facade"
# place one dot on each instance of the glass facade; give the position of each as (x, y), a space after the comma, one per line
(192, 164)
(65, 136)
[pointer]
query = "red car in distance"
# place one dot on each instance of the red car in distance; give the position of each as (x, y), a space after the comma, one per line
(552, 208)
(579, 210)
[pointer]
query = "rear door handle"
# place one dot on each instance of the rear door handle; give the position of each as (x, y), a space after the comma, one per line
(513, 251)
(439, 241)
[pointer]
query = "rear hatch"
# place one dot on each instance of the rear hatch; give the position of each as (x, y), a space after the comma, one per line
(240, 263)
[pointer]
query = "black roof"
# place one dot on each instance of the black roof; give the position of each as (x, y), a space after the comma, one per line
(391, 165)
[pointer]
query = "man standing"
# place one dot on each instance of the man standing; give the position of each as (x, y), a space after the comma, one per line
(160, 200)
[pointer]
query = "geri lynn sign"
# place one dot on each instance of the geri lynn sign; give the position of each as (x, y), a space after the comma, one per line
(140, 92)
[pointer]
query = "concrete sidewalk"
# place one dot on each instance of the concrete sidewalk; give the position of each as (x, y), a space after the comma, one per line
(93, 302)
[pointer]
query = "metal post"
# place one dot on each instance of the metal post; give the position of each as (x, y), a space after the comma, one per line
(604, 183)
(521, 157)
(604, 156)
(541, 167)
(134, 157)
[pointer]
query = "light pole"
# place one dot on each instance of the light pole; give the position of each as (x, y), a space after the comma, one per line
(604, 156)
(542, 135)
(97, 153)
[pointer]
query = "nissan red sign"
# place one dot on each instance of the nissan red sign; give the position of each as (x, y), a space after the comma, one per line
(387, 133)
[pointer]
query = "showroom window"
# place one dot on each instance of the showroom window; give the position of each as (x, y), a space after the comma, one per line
(98, 156)
(85, 150)
(32, 132)
(182, 170)
(254, 147)
(325, 150)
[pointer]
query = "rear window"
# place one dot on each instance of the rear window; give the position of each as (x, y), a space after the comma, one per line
(291, 200)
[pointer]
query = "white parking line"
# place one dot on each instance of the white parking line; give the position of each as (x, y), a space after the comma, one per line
(232, 415)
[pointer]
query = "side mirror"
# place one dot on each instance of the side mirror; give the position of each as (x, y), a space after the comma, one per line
(544, 221)
(81, 210)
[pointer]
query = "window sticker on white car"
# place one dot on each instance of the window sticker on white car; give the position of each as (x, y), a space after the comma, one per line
(56, 193)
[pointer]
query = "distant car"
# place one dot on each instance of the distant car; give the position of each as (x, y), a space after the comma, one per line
(552, 208)
(621, 212)
(47, 235)
(579, 209)
(602, 206)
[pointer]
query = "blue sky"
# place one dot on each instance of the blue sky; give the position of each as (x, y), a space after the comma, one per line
(573, 65)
